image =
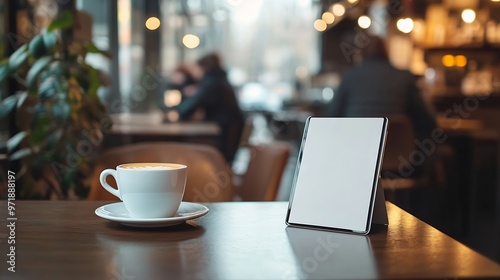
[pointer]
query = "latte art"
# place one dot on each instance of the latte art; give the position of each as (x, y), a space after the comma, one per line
(151, 166)
(148, 167)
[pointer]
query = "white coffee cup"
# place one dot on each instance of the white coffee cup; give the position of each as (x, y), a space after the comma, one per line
(148, 190)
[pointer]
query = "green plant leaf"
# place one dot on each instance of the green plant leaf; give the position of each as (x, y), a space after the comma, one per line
(22, 97)
(20, 154)
(37, 67)
(18, 57)
(49, 39)
(63, 22)
(37, 46)
(4, 71)
(61, 110)
(91, 48)
(15, 140)
(39, 110)
(7, 105)
(94, 82)
(47, 88)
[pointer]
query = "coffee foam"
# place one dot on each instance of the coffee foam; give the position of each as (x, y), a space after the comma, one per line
(151, 166)
(148, 167)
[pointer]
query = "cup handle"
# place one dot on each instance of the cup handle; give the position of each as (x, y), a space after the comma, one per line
(105, 185)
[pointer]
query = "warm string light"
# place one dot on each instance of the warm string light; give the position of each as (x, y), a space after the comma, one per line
(328, 17)
(320, 25)
(338, 10)
(190, 41)
(364, 22)
(152, 23)
(449, 60)
(172, 97)
(468, 15)
(405, 25)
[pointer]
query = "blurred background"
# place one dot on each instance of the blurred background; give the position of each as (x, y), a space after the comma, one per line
(285, 60)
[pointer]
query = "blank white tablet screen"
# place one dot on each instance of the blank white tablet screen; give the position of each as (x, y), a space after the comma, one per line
(335, 178)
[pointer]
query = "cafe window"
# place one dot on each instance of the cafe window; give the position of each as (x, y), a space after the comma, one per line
(101, 36)
(263, 44)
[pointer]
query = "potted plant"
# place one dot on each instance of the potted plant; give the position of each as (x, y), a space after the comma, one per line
(59, 117)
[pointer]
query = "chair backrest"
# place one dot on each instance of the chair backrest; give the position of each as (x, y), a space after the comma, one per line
(400, 142)
(265, 169)
(209, 176)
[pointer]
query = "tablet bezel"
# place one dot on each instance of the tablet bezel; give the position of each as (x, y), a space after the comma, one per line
(375, 181)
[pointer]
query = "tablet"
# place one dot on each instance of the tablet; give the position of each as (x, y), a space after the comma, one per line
(336, 176)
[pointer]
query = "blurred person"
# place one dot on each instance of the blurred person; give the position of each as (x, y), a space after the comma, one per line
(184, 78)
(377, 88)
(180, 84)
(217, 99)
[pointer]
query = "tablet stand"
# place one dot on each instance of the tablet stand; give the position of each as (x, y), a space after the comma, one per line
(379, 210)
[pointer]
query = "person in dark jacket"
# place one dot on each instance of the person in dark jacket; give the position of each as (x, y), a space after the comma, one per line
(376, 88)
(217, 99)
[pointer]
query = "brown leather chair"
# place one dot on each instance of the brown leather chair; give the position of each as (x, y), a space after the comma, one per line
(399, 143)
(400, 189)
(208, 180)
(265, 168)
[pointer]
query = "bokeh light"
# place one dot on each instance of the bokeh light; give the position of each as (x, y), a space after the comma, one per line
(190, 41)
(364, 22)
(172, 97)
(338, 10)
(468, 15)
(460, 60)
(172, 116)
(320, 25)
(448, 60)
(328, 17)
(405, 25)
(152, 23)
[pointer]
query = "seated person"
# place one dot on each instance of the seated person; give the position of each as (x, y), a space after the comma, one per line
(375, 88)
(180, 84)
(217, 99)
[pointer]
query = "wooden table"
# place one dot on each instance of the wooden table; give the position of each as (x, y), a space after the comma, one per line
(152, 124)
(133, 128)
(235, 240)
(168, 129)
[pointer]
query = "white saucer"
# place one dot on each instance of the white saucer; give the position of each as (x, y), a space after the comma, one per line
(118, 213)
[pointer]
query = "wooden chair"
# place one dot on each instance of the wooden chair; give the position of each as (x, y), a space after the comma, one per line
(262, 178)
(208, 180)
